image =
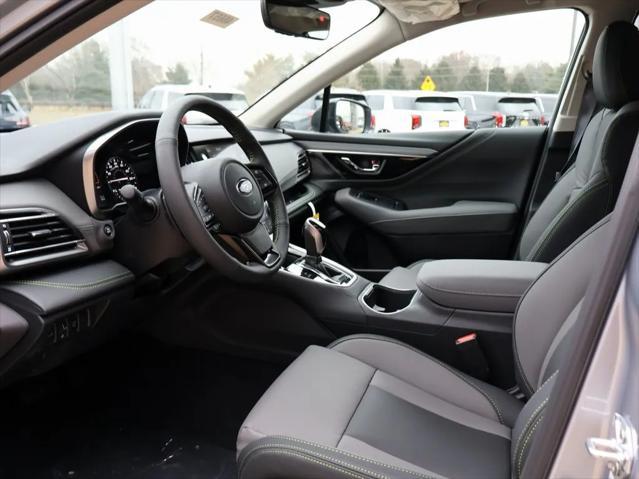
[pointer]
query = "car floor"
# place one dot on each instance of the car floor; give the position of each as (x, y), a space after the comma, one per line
(135, 409)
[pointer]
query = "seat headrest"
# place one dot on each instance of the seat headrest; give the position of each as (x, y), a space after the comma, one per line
(615, 69)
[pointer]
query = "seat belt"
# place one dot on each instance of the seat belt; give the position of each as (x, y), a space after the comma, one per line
(588, 109)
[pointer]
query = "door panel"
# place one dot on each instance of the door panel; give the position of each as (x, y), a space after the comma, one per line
(442, 196)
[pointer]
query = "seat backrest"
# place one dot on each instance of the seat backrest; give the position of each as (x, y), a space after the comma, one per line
(588, 191)
(543, 327)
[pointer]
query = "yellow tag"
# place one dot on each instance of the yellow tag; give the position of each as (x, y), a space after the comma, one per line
(316, 216)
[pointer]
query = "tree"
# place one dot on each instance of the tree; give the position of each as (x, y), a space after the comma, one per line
(265, 74)
(178, 75)
(497, 80)
(396, 80)
(368, 77)
(473, 80)
(443, 76)
(520, 84)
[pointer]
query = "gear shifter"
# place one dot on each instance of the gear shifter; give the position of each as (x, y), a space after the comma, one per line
(314, 241)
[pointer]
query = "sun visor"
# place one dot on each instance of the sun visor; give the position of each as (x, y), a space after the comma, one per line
(422, 11)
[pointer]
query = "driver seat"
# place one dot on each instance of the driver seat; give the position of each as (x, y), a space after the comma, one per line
(372, 407)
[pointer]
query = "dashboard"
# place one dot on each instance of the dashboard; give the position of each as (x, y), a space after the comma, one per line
(69, 251)
(126, 155)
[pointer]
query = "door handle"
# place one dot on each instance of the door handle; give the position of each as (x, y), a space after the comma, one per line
(374, 168)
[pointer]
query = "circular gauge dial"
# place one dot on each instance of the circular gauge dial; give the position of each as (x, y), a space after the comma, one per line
(118, 173)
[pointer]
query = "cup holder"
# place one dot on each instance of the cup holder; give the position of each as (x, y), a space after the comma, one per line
(387, 300)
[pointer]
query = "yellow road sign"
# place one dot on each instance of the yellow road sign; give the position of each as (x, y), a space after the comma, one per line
(428, 84)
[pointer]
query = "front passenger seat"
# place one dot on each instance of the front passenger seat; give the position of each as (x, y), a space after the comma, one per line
(372, 407)
(587, 191)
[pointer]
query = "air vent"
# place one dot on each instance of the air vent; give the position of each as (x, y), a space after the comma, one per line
(303, 165)
(33, 235)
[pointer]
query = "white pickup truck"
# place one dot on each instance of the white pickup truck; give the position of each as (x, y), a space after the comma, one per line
(400, 111)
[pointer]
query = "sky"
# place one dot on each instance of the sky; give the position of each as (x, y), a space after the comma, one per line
(172, 31)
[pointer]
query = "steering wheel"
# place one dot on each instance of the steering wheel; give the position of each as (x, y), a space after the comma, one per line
(219, 204)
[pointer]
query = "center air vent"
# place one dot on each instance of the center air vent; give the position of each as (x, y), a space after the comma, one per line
(35, 235)
(303, 165)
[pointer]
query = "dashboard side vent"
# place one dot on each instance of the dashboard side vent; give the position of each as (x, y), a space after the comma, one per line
(28, 236)
(303, 165)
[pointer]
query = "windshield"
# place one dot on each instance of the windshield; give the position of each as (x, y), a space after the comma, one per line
(172, 48)
(437, 104)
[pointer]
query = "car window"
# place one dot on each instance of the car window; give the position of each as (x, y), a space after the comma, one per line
(476, 63)
(403, 103)
(376, 102)
(6, 106)
(195, 46)
(437, 104)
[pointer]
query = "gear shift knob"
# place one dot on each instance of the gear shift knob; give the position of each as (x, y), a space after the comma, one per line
(314, 239)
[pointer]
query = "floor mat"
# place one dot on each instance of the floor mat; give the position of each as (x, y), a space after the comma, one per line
(134, 409)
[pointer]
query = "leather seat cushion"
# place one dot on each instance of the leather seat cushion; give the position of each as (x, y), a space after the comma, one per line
(375, 398)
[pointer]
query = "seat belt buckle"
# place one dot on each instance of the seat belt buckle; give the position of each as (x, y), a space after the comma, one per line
(472, 358)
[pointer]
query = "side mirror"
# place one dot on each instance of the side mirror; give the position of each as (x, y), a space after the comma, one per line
(298, 21)
(344, 116)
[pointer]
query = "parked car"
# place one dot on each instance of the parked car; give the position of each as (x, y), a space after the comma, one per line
(549, 105)
(477, 117)
(300, 118)
(161, 96)
(400, 111)
(12, 116)
(438, 112)
(520, 111)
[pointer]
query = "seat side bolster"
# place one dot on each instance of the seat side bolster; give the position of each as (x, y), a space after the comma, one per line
(286, 457)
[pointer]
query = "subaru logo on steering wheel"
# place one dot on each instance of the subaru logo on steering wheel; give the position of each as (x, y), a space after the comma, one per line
(244, 186)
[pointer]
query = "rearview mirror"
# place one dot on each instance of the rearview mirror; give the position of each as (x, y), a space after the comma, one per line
(344, 116)
(298, 21)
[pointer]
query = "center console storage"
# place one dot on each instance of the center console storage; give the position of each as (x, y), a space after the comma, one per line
(477, 285)
(386, 300)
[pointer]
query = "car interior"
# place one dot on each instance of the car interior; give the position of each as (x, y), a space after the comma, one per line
(243, 298)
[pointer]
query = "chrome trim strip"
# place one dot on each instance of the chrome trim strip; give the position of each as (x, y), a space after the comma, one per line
(408, 157)
(43, 248)
(27, 218)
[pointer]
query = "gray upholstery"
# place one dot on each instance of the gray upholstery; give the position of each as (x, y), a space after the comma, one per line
(478, 285)
(403, 278)
(588, 191)
(372, 407)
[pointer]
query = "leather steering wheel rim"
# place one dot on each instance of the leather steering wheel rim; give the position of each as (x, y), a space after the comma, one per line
(222, 251)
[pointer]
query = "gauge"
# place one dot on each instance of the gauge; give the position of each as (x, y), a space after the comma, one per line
(119, 173)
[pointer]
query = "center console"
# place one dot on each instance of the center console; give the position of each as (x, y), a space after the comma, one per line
(452, 300)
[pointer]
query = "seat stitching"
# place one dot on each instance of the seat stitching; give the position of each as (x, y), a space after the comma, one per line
(324, 463)
(399, 343)
(544, 239)
(352, 456)
(593, 229)
(443, 290)
(547, 380)
(533, 417)
(525, 445)
(73, 286)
